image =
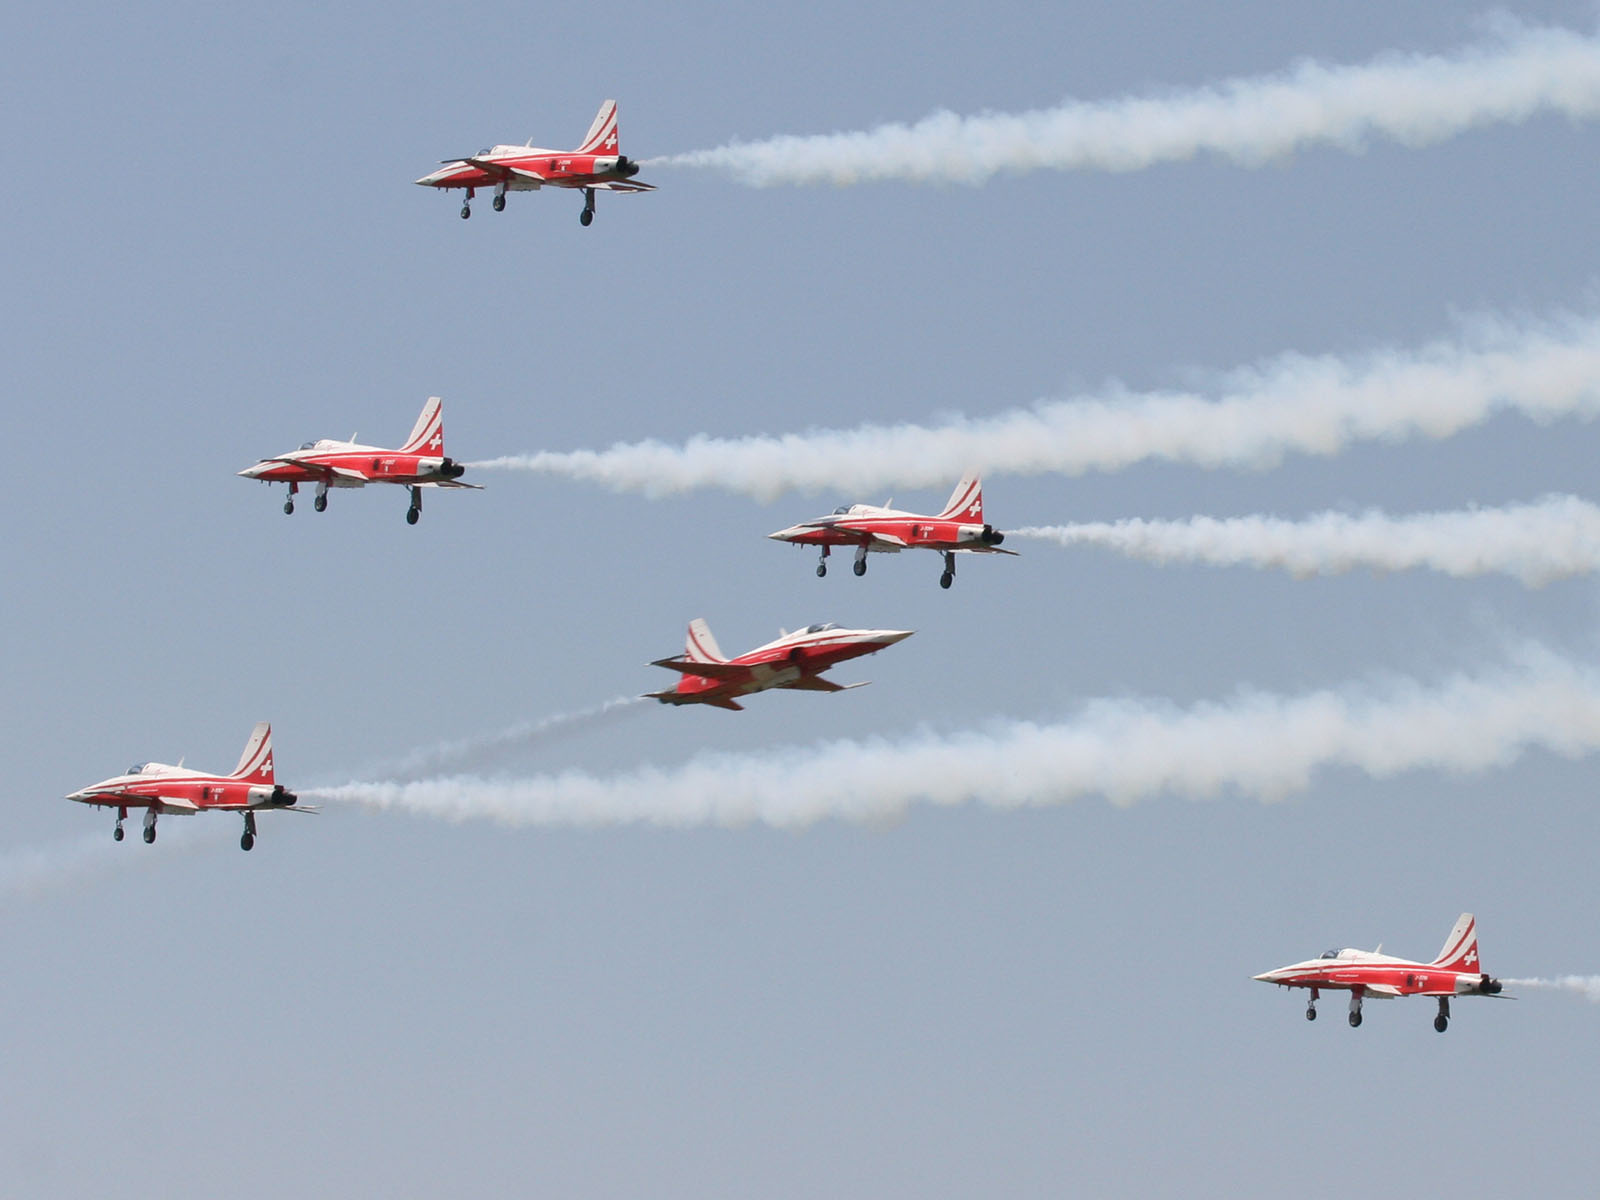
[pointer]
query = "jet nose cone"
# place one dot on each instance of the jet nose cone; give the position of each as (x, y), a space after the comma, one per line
(890, 636)
(784, 535)
(252, 472)
(1267, 977)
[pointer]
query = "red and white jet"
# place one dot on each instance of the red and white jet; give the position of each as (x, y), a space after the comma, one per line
(886, 530)
(596, 165)
(794, 660)
(420, 463)
(158, 788)
(1456, 972)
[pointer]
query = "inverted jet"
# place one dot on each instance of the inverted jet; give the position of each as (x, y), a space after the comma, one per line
(597, 165)
(793, 660)
(420, 463)
(870, 529)
(158, 788)
(1370, 973)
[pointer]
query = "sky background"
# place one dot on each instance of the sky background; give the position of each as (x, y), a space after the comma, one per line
(215, 253)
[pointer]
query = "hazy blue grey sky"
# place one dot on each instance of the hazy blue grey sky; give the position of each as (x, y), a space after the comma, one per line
(216, 253)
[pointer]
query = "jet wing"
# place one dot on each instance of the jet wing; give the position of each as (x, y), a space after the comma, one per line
(988, 550)
(729, 671)
(691, 698)
(502, 170)
(477, 487)
(344, 474)
(621, 186)
(1384, 991)
(816, 683)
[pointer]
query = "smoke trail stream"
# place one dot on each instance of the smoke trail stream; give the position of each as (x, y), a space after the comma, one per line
(1585, 985)
(1556, 538)
(483, 752)
(1516, 72)
(1289, 404)
(1256, 744)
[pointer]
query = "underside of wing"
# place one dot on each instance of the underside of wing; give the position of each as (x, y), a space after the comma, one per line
(621, 186)
(341, 476)
(706, 670)
(500, 170)
(1383, 991)
(816, 683)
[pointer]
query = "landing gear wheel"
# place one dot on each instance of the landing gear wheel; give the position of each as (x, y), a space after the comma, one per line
(1311, 1013)
(1355, 1020)
(499, 204)
(1441, 1023)
(149, 834)
(466, 211)
(246, 841)
(116, 834)
(412, 514)
(822, 569)
(946, 579)
(859, 566)
(586, 217)
(320, 504)
(288, 507)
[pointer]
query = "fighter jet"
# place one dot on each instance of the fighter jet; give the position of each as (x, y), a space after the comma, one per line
(1372, 973)
(793, 660)
(959, 528)
(596, 165)
(420, 463)
(158, 788)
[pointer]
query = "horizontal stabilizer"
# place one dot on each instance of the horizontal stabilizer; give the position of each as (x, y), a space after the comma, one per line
(691, 698)
(616, 185)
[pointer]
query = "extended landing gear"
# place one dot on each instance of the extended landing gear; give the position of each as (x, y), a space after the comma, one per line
(499, 201)
(321, 502)
(1442, 1021)
(149, 825)
(288, 505)
(116, 834)
(586, 217)
(822, 563)
(1311, 1005)
(466, 205)
(415, 510)
(1355, 1009)
(949, 575)
(249, 838)
(860, 565)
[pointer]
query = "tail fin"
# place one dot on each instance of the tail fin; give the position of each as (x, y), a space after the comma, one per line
(427, 435)
(966, 502)
(602, 135)
(701, 646)
(255, 764)
(1460, 951)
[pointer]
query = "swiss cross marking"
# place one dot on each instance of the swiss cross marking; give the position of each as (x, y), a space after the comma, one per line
(436, 442)
(611, 141)
(267, 766)
(1472, 957)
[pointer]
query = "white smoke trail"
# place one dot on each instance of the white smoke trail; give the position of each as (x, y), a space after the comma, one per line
(31, 870)
(1556, 538)
(481, 752)
(1586, 985)
(1257, 744)
(1292, 403)
(1415, 100)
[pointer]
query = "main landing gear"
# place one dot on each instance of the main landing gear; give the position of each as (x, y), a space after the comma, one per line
(249, 838)
(1311, 1006)
(321, 502)
(288, 505)
(822, 563)
(466, 205)
(415, 510)
(149, 825)
(587, 215)
(1442, 1021)
(116, 834)
(949, 575)
(499, 201)
(860, 565)
(1355, 1009)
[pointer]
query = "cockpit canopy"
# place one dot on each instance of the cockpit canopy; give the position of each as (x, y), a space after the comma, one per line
(136, 769)
(842, 510)
(308, 445)
(1334, 953)
(823, 627)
